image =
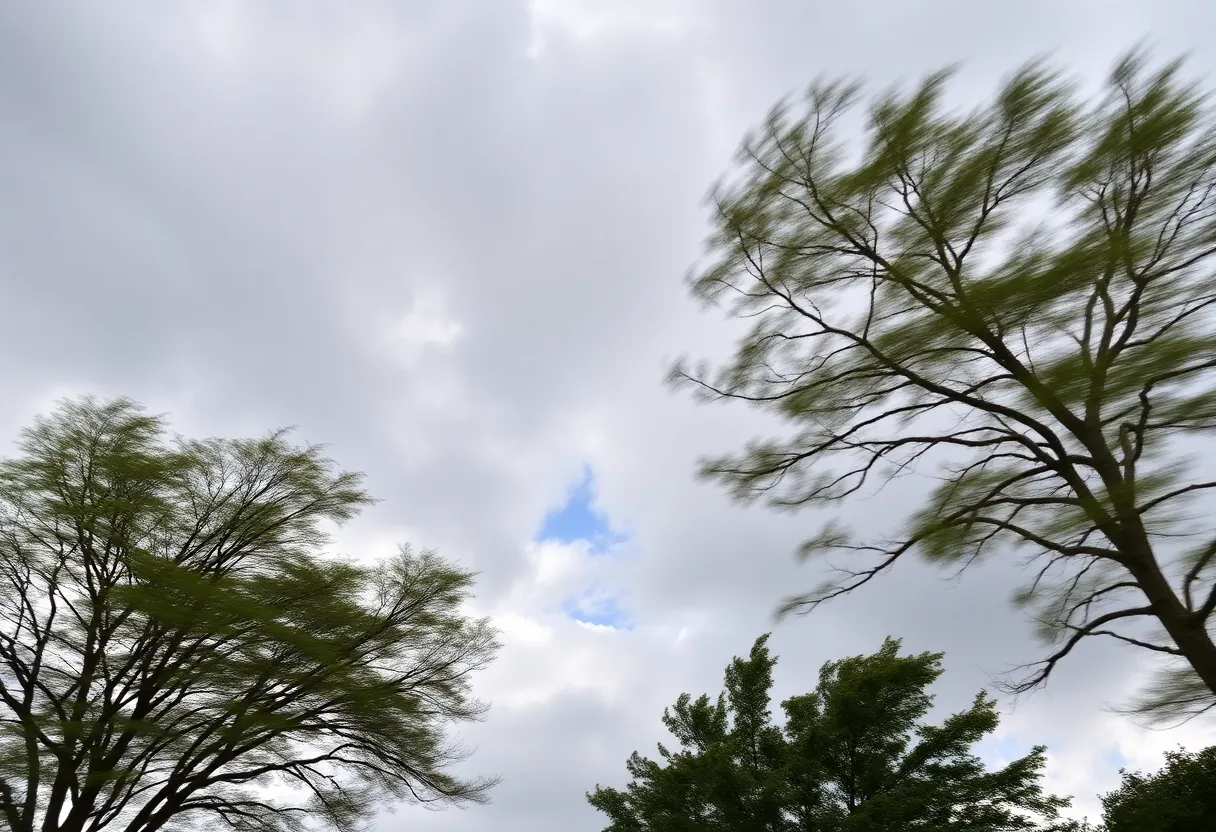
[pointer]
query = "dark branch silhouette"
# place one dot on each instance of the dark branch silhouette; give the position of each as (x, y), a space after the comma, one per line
(175, 647)
(908, 314)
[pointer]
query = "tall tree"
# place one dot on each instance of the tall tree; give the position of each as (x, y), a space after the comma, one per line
(1021, 297)
(176, 650)
(854, 755)
(1181, 797)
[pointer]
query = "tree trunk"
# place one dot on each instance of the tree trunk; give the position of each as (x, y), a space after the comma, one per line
(1187, 629)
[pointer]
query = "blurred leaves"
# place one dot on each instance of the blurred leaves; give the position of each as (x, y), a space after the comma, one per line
(174, 639)
(1017, 300)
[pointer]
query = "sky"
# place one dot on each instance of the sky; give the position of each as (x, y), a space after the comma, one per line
(447, 238)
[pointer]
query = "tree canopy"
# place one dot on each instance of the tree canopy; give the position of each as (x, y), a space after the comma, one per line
(853, 755)
(1181, 797)
(178, 651)
(1019, 299)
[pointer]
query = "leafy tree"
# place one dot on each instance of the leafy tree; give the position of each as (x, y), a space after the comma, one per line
(1181, 797)
(854, 755)
(176, 651)
(908, 306)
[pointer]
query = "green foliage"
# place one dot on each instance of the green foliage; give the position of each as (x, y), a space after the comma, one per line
(853, 755)
(1181, 797)
(1020, 297)
(176, 650)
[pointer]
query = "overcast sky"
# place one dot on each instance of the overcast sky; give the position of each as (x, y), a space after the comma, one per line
(448, 237)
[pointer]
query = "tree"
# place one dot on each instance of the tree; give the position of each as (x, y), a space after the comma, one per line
(854, 755)
(1181, 797)
(909, 307)
(176, 650)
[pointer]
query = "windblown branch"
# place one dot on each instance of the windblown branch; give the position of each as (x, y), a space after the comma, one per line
(171, 640)
(902, 318)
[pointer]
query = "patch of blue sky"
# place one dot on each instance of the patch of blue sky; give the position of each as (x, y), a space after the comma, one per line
(1114, 758)
(1006, 748)
(598, 609)
(578, 519)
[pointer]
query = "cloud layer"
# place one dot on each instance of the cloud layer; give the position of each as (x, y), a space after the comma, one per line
(447, 238)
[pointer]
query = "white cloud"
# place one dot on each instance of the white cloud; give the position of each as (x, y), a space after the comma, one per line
(586, 21)
(426, 324)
